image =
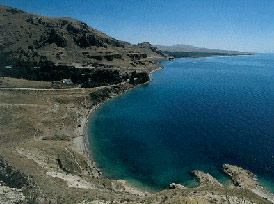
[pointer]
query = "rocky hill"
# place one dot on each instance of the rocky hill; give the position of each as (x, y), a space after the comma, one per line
(44, 152)
(66, 41)
(42, 48)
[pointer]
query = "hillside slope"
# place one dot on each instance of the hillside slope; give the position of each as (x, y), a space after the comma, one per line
(66, 41)
(43, 48)
(44, 151)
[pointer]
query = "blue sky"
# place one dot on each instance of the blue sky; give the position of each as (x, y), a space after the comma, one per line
(245, 25)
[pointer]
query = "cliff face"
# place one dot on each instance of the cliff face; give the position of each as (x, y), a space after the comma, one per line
(66, 41)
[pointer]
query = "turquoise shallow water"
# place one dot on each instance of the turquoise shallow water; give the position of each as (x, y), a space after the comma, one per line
(195, 114)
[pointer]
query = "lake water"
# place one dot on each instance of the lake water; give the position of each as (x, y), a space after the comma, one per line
(195, 114)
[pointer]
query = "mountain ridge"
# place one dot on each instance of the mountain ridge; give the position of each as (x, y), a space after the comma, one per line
(44, 154)
(63, 40)
(181, 50)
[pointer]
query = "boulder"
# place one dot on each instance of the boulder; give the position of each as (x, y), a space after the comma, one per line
(176, 186)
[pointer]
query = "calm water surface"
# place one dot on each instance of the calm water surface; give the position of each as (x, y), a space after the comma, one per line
(195, 114)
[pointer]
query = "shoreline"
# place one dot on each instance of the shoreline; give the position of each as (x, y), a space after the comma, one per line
(260, 190)
(94, 108)
(87, 152)
(59, 156)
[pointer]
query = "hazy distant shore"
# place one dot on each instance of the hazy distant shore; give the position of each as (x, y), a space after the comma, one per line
(55, 73)
(188, 51)
(202, 54)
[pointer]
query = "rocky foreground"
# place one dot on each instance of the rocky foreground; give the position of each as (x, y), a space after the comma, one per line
(44, 156)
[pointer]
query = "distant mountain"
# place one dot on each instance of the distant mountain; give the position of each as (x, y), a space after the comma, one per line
(192, 51)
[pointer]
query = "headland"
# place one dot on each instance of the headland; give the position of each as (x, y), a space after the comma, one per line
(55, 73)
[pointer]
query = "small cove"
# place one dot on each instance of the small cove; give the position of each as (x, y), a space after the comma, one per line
(195, 114)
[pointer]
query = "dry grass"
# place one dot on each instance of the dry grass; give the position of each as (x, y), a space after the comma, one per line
(37, 137)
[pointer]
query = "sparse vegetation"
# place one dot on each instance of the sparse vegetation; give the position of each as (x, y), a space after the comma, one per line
(43, 130)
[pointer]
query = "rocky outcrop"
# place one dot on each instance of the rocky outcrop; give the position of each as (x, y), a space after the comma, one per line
(81, 33)
(147, 45)
(50, 37)
(59, 171)
(176, 186)
(205, 179)
(245, 179)
(240, 177)
(139, 78)
(10, 176)
(136, 56)
(11, 195)
(108, 57)
(102, 94)
(12, 182)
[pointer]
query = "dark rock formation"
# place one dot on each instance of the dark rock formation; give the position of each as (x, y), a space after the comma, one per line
(10, 176)
(51, 37)
(147, 45)
(136, 56)
(102, 94)
(139, 78)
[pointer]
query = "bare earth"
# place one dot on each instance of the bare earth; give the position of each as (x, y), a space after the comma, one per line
(43, 136)
(44, 155)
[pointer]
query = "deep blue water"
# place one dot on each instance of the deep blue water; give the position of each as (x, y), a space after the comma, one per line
(195, 114)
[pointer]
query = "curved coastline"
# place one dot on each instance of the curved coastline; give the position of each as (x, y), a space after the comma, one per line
(85, 140)
(259, 190)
